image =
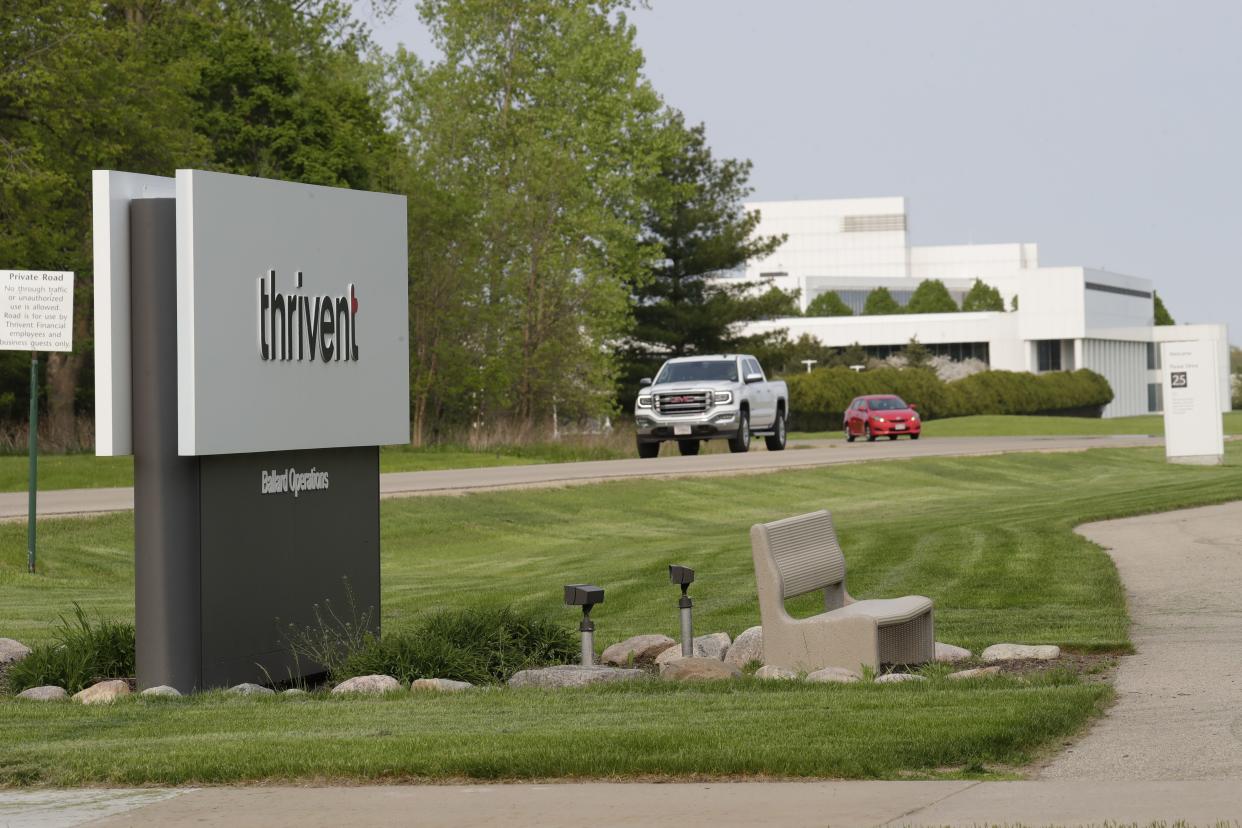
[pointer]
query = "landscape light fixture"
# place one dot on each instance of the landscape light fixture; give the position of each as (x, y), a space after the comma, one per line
(683, 576)
(585, 596)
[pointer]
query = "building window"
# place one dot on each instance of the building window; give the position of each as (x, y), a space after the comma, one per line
(1048, 355)
(1155, 396)
(874, 223)
(1153, 357)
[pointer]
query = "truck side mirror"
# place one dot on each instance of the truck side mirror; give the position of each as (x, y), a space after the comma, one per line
(644, 382)
(754, 378)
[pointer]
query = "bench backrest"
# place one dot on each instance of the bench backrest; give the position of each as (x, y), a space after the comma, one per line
(806, 553)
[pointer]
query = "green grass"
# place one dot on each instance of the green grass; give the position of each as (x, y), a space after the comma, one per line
(989, 539)
(1022, 426)
(743, 727)
(86, 471)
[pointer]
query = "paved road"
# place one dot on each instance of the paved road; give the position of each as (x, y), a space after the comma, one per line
(603, 805)
(1179, 698)
(457, 481)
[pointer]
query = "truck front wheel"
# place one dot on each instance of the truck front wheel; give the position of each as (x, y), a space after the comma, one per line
(741, 443)
(647, 450)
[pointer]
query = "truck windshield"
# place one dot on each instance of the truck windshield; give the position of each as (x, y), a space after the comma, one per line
(716, 369)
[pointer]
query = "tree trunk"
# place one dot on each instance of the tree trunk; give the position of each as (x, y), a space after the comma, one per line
(63, 370)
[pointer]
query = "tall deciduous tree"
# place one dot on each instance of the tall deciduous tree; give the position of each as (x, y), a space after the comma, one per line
(828, 304)
(931, 296)
(696, 220)
(535, 134)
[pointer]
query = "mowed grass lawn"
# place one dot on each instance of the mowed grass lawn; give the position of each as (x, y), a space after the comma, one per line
(989, 539)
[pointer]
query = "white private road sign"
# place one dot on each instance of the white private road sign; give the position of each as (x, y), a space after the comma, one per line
(36, 310)
(1193, 427)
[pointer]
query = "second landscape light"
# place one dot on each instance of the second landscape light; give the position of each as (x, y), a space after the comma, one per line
(683, 576)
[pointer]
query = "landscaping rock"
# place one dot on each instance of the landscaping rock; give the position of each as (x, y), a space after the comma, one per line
(898, 678)
(1018, 652)
(829, 675)
(102, 692)
(978, 672)
(643, 649)
(773, 672)
(439, 685)
(948, 653)
(48, 692)
(573, 675)
(161, 690)
(368, 685)
(698, 669)
(11, 651)
(249, 689)
(746, 648)
(715, 646)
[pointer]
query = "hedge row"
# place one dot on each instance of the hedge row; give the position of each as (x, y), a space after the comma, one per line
(818, 399)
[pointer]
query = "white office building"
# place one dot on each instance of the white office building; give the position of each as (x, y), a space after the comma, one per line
(1065, 317)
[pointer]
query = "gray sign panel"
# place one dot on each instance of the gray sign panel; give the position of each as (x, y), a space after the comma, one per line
(292, 319)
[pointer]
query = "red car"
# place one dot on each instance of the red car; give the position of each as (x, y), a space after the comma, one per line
(881, 415)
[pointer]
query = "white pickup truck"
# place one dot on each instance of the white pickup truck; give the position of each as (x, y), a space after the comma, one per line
(709, 398)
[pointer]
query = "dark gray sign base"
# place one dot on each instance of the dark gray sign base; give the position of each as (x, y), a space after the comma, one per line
(274, 565)
(224, 574)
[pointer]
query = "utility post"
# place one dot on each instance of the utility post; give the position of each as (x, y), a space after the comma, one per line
(33, 446)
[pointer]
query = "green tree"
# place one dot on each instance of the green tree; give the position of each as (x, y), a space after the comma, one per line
(1163, 317)
(537, 135)
(1013, 303)
(828, 304)
(916, 354)
(982, 297)
(853, 355)
(83, 86)
(694, 218)
(880, 303)
(931, 296)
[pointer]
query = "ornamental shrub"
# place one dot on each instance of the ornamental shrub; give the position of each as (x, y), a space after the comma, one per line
(828, 304)
(818, 399)
(931, 296)
(81, 653)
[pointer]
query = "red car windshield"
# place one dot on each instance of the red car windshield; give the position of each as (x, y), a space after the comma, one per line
(887, 404)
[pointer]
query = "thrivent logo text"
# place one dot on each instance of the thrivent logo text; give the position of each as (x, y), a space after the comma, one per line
(297, 327)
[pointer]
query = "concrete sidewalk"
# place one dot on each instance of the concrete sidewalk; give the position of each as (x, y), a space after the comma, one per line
(1179, 697)
(801, 454)
(718, 805)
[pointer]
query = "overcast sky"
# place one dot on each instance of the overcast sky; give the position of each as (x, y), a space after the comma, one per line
(1108, 131)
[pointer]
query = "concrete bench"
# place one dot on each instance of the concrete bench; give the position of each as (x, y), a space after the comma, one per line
(801, 554)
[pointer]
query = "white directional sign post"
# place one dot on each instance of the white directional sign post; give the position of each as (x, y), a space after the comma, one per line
(36, 314)
(1193, 428)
